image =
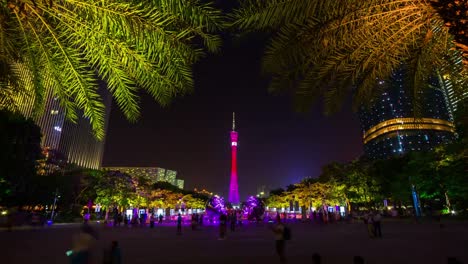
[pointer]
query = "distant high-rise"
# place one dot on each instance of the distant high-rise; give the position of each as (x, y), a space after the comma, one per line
(389, 125)
(180, 184)
(233, 185)
(446, 82)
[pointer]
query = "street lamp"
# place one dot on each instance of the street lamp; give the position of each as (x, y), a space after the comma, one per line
(56, 197)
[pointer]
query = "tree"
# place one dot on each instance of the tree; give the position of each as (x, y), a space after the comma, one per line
(20, 140)
(362, 189)
(65, 47)
(193, 202)
(333, 48)
(114, 189)
(162, 198)
(392, 180)
(277, 201)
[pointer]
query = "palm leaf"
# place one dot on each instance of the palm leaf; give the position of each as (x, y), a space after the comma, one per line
(67, 46)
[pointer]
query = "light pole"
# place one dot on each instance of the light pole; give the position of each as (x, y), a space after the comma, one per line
(53, 206)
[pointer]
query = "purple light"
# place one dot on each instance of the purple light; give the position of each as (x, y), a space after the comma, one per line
(215, 208)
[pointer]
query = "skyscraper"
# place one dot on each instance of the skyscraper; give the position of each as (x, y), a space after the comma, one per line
(79, 145)
(233, 186)
(74, 140)
(447, 82)
(389, 125)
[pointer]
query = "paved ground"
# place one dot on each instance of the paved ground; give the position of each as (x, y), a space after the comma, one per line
(337, 243)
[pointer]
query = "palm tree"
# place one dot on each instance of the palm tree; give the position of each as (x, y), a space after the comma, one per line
(66, 46)
(332, 48)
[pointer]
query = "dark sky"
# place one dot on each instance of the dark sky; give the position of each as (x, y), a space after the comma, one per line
(277, 146)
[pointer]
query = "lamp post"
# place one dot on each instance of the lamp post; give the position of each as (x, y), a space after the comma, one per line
(56, 196)
(417, 207)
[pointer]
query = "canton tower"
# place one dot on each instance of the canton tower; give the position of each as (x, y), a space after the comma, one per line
(233, 186)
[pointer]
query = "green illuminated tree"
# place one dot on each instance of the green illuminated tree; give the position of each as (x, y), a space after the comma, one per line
(114, 189)
(333, 48)
(193, 202)
(67, 46)
(277, 201)
(162, 198)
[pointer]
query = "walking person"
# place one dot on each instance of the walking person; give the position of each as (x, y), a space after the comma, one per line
(152, 218)
(113, 256)
(179, 224)
(281, 235)
(119, 219)
(369, 224)
(233, 221)
(222, 226)
(239, 218)
(201, 220)
(115, 217)
(83, 245)
(160, 218)
(193, 222)
(377, 227)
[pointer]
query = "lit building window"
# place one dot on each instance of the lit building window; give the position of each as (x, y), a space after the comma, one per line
(234, 144)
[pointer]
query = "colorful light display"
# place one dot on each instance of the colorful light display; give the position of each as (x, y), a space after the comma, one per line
(233, 186)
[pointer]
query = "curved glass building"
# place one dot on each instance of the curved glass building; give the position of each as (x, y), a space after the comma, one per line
(389, 125)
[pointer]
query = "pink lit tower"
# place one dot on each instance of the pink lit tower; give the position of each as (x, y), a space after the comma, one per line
(233, 186)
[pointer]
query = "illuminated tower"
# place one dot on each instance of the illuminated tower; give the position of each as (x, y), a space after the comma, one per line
(233, 186)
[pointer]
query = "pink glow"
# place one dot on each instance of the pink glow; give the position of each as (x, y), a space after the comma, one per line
(233, 186)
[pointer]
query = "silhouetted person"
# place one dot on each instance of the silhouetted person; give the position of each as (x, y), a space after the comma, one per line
(119, 219)
(152, 221)
(222, 226)
(160, 218)
(115, 217)
(279, 230)
(377, 227)
(233, 222)
(113, 255)
(316, 259)
(193, 222)
(179, 224)
(201, 220)
(358, 260)
(82, 245)
(452, 260)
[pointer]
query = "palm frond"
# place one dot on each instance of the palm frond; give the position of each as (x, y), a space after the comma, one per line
(339, 47)
(66, 46)
(266, 15)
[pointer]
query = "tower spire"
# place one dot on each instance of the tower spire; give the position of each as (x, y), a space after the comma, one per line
(233, 121)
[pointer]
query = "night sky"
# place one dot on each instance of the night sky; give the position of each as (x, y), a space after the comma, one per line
(277, 146)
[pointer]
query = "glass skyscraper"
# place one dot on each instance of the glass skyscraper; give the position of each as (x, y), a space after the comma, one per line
(390, 126)
(73, 140)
